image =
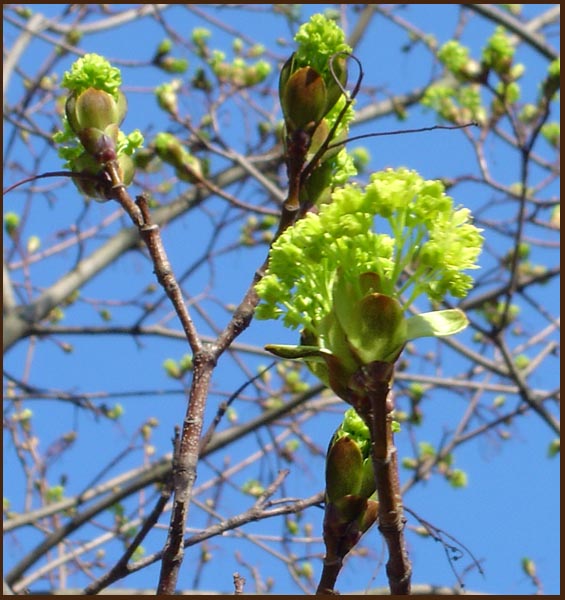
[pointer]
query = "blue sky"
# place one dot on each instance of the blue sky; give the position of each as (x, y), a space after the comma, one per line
(510, 508)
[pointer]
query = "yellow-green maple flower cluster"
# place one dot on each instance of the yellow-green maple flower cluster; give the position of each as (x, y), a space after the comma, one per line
(93, 71)
(348, 287)
(431, 238)
(318, 40)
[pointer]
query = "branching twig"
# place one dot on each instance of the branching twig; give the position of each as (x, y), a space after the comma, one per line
(119, 570)
(186, 452)
(522, 30)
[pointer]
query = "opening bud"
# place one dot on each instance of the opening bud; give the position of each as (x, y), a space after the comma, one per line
(303, 99)
(94, 109)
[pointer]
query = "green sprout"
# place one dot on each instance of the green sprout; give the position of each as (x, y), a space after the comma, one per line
(498, 54)
(552, 83)
(170, 150)
(11, 223)
(350, 487)
(552, 133)
(91, 137)
(316, 111)
(307, 87)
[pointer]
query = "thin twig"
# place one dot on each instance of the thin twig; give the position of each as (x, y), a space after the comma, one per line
(490, 11)
(119, 570)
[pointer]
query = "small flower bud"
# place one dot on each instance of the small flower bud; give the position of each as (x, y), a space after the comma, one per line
(187, 167)
(167, 96)
(349, 470)
(164, 47)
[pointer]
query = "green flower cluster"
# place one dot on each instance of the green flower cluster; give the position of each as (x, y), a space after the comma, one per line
(456, 57)
(239, 72)
(458, 103)
(93, 71)
(462, 103)
(318, 40)
(348, 287)
(431, 240)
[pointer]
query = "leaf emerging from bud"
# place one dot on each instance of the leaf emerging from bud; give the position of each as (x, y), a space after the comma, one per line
(303, 99)
(344, 469)
(94, 108)
(126, 168)
(369, 516)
